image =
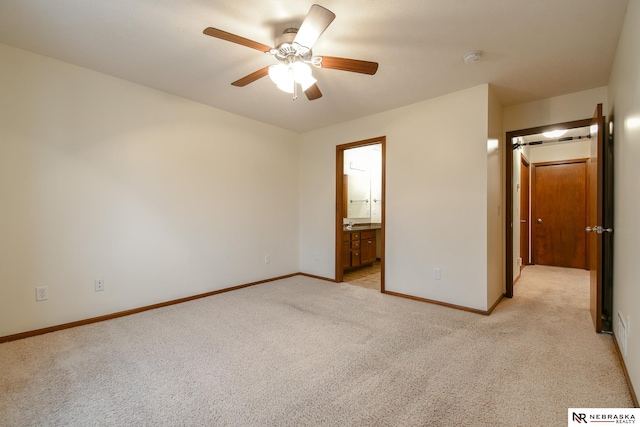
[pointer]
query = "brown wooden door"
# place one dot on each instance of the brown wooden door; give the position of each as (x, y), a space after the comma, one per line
(524, 212)
(559, 213)
(596, 204)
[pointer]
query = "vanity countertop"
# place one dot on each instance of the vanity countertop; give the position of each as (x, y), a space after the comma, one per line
(362, 227)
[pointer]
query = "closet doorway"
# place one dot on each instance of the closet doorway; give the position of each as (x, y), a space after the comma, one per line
(360, 213)
(532, 153)
(599, 189)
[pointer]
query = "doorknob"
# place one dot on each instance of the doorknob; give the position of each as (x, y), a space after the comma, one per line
(598, 229)
(523, 220)
(539, 220)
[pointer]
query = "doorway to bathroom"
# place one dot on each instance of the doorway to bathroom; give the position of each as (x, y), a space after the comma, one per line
(360, 213)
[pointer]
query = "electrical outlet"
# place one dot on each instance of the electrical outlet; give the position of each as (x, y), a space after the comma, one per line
(437, 274)
(267, 259)
(98, 285)
(42, 293)
(316, 256)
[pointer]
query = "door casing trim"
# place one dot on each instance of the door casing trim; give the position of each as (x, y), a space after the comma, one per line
(508, 217)
(382, 140)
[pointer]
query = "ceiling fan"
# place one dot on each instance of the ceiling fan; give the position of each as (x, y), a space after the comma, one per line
(293, 52)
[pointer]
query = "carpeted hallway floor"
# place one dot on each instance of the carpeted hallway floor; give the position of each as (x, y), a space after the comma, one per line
(302, 351)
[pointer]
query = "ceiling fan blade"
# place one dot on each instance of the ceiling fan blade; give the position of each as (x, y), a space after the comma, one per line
(314, 24)
(313, 92)
(223, 35)
(346, 64)
(251, 77)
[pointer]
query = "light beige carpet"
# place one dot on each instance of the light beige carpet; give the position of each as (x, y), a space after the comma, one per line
(302, 351)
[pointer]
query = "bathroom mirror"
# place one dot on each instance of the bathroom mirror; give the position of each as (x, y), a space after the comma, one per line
(358, 197)
(363, 184)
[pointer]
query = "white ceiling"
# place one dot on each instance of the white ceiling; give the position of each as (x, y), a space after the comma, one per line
(533, 49)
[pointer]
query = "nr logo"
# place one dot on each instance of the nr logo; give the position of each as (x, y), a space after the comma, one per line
(580, 418)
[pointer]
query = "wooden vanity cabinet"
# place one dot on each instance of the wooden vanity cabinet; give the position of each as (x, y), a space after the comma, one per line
(355, 249)
(358, 248)
(368, 247)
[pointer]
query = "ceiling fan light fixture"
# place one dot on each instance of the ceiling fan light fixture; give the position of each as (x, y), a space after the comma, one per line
(288, 88)
(300, 70)
(285, 76)
(555, 133)
(282, 76)
(279, 73)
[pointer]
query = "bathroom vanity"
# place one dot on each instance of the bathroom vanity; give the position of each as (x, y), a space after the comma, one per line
(358, 246)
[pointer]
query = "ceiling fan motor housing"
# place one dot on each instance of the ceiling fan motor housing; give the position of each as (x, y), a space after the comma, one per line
(288, 51)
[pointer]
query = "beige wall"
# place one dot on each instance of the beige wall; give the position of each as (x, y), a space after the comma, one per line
(559, 109)
(159, 196)
(495, 202)
(436, 196)
(553, 153)
(625, 108)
